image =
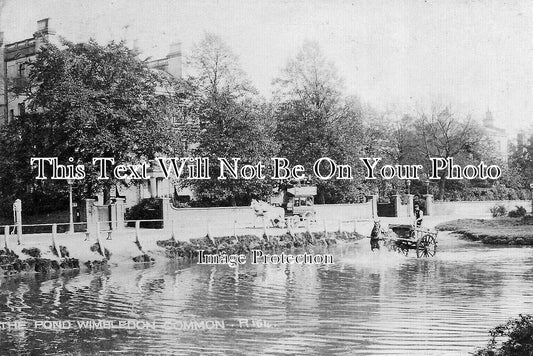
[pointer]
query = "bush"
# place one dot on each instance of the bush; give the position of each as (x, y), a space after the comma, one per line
(518, 334)
(498, 210)
(519, 212)
(147, 209)
(421, 203)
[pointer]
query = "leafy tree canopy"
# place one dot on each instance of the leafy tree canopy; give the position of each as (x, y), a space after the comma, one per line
(234, 124)
(88, 100)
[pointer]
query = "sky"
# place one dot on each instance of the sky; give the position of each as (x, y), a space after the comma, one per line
(400, 55)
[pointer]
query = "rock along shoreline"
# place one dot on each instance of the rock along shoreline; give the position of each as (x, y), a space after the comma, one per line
(32, 261)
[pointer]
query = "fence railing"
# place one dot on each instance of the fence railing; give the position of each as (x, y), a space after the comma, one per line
(137, 230)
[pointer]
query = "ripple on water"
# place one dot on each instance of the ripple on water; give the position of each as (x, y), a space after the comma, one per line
(367, 303)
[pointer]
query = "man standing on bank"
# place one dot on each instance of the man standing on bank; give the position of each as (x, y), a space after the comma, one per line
(419, 215)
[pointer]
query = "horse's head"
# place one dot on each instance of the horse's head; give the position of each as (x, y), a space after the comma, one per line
(376, 229)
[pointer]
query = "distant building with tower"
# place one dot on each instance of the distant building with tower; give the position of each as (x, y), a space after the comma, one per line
(523, 137)
(498, 136)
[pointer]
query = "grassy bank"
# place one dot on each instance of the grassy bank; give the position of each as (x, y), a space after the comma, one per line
(498, 231)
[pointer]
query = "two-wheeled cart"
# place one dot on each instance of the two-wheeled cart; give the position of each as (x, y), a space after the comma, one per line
(404, 237)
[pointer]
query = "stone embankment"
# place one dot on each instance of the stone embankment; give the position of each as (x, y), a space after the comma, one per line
(74, 253)
(31, 261)
(245, 244)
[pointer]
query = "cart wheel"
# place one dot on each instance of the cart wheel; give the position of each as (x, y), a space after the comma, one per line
(426, 246)
(403, 248)
(398, 246)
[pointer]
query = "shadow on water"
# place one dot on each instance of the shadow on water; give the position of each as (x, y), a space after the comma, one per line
(365, 303)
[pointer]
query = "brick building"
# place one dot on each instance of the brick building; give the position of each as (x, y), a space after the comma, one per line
(14, 67)
(14, 59)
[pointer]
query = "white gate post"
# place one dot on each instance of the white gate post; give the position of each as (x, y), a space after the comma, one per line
(6, 236)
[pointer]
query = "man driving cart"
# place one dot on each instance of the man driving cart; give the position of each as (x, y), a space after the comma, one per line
(419, 216)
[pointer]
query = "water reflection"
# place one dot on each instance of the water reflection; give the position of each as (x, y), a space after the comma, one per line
(366, 303)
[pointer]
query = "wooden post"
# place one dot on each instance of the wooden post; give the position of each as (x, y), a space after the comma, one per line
(325, 228)
(235, 228)
(264, 227)
(340, 226)
(99, 239)
(172, 235)
(308, 225)
(354, 226)
(265, 230)
(290, 227)
(54, 244)
(19, 234)
(209, 235)
(137, 231)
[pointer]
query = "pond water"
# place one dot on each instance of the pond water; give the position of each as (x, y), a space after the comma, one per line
(365, 303)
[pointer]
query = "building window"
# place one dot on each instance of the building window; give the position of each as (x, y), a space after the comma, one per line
(22, 68)
(11, 114)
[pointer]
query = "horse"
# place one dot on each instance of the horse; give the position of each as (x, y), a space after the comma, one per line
(275, 215)
(375, 235)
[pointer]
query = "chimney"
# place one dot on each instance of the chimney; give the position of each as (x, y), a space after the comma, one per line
(43, 32)
(174, 60)
(43, 27)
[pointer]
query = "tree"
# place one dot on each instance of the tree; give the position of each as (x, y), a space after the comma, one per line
(234, 124)
(442, 133)
(216, 69)
(521, 162)
(404, 141)
(311, 79)
(314, 120)
(86, 100)
(241, 134)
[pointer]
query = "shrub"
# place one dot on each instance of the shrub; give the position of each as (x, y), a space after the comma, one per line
(147, 209)
(519, 212)
(421, 203)
(498, 210)
(181, 205)
(518, 334)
